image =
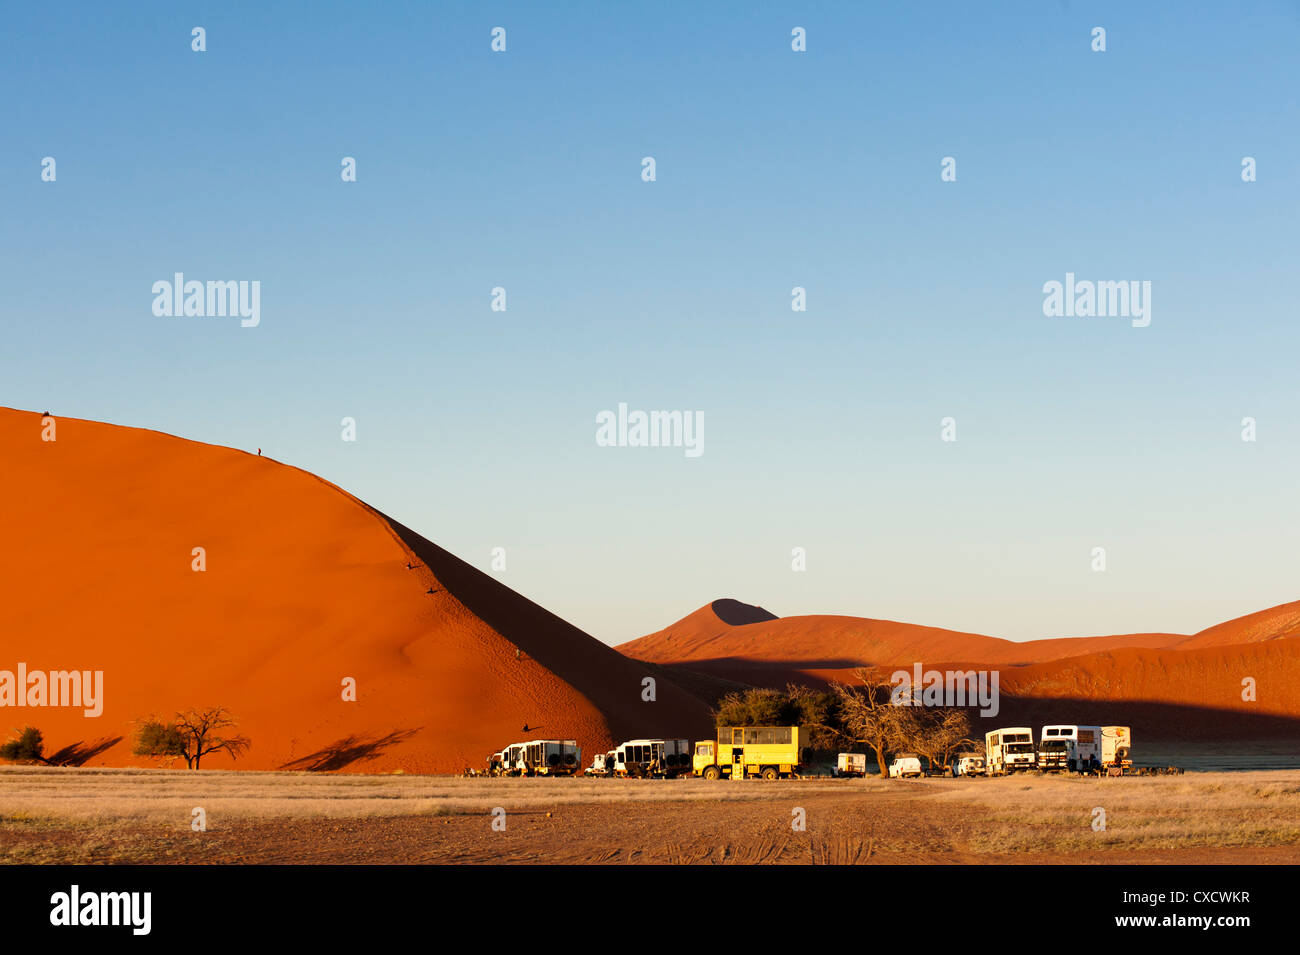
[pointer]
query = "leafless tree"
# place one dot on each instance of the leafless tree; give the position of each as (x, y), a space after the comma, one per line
(937, 732)
(869, 717)
(201, 734)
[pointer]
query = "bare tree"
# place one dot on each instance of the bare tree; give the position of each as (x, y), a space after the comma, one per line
(936, 732)
(190, 736)
(199, 731)
(869, 717)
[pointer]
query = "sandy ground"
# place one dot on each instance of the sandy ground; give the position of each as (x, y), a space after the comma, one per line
(111, 816)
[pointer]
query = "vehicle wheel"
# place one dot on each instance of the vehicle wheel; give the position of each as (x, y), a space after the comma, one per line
(712, 772)
(770, 773)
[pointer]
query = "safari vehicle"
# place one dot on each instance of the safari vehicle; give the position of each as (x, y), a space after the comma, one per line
(1009, 750)
(538, 757)
(739, 751)
(967, 764)
(651, 757)
(601, 765)
(1068, 748)
(905, 765)
(1116, 748)
(851, 764)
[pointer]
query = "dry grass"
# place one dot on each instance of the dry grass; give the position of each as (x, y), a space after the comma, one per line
(133, 815)
(31, 795)
(1043, 813)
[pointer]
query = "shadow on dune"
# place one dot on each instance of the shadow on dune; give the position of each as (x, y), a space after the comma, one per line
(77, 754)
(1153, 720)
(349, 750)
(1149, 719)
(737, 614)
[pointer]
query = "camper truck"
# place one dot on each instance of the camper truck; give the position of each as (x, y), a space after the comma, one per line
(968, 764)
(1068, 748)
(538, 757)
(1009, 750)
(652, 757)
(1116, 747)
(740, 751)
(851, 764)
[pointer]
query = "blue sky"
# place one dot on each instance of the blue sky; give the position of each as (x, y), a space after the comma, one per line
(775, 169)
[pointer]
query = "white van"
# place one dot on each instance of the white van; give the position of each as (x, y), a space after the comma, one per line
(905, 765)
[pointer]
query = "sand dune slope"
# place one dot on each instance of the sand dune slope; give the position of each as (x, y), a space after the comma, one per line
(304, 587)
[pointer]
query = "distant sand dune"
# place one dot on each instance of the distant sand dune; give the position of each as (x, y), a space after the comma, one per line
(1172, 685)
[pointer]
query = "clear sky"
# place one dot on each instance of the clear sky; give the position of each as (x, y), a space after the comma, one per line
(774, 169)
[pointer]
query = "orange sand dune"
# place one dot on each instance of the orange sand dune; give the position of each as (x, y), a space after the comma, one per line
(1173, 686)
(728, 630)
(1272, 624)
(305, 585)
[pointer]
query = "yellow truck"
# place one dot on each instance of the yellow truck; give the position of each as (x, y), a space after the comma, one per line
(768, 751)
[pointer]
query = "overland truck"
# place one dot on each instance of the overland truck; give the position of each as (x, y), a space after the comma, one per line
(1116, 747)
(537, 757)
(1009, 750)
(667, 758)
(1068, 748)
(740, 751)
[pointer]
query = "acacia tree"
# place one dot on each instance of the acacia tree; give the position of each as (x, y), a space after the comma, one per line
(937, 732)
(868, 716)
(192, 735)
(29, 747)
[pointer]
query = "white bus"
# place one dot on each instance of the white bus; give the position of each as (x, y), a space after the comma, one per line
(1067, 747)
(537, 757)
(652, 757)
(1009, 750)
